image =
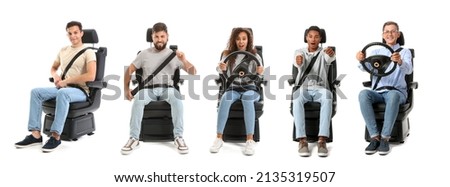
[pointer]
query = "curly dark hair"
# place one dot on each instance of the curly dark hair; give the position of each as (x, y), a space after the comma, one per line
(232, 47)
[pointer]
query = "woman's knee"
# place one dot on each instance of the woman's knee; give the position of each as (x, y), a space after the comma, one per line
(250, 96)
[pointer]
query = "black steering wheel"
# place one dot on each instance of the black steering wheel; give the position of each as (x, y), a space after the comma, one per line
(378, 63)
(242, 70)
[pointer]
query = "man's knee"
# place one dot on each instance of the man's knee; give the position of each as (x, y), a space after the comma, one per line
(364, 95)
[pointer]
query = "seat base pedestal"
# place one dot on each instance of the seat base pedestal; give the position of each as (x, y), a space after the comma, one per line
(312, 130)
(158, 129)
(235, 130)
(73, 127)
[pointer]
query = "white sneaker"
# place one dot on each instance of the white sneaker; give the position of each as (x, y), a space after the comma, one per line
(249, 147)
(181, 145)
(218, 142)
(130, 146)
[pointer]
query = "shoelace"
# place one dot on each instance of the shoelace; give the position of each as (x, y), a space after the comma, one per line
(373, 143)
(129, 143)
(304, 144)
(51, 140)
(321, 144)
(181, 142)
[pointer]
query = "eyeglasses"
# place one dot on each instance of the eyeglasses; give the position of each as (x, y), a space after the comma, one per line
(390, 32)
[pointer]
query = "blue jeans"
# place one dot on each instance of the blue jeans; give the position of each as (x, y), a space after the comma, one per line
(63, 96)
(302, 96)
(145, 96)
(248, 99)
(391, 98)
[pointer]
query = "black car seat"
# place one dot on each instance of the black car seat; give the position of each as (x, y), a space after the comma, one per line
(235, 126)
(312, 109)
(157, 122)
(401, 127)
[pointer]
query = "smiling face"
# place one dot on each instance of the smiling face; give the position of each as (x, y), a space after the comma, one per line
(75, 34)
(242, 41)
(160, 40)
(391, 34)
(313, 40)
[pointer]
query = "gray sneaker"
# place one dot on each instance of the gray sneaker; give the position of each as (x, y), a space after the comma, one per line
(181, 145)
(130, 146)
(384, 148)
(322, 149)
(303, 149)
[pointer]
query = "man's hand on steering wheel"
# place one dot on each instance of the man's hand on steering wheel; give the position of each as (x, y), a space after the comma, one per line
(395, 57)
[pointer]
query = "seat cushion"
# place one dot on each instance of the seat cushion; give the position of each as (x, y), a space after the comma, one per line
(403, 111)
(237, 106)
(73, 106)
(381, 107)
(237, 109)
(157, 109)
(75, 109)
(157, 105)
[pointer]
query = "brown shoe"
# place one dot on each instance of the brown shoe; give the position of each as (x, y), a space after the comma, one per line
(322, 148)
(303, 149)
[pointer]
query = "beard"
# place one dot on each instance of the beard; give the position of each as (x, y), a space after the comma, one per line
(160, 46)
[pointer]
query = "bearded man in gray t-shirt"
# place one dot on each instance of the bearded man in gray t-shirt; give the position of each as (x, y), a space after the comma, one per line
(161, 86)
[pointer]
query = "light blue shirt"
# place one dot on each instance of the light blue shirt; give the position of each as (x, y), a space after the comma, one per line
(396, 78)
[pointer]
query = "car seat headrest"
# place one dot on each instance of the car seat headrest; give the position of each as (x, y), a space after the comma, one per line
(322, 33)
(400, 39)
(89, 36)
(149, 35)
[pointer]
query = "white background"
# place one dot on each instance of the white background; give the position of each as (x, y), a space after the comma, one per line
(32, 32)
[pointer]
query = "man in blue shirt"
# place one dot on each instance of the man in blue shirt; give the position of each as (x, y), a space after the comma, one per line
(390, 90)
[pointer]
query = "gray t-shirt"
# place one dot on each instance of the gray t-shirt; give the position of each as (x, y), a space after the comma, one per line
(150, 59)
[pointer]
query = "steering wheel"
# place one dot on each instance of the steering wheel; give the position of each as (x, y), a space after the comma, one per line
(378, 63)
(241, 70)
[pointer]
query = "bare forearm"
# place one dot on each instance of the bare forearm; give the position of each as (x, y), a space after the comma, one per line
(126, 80)
(189, 68)
(81, 79)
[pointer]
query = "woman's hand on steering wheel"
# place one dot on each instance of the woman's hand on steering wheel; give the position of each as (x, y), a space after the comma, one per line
(222, 66)
(259, 70)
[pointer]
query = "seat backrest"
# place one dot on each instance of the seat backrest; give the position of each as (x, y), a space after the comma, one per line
(90, 37)
(149, 35)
